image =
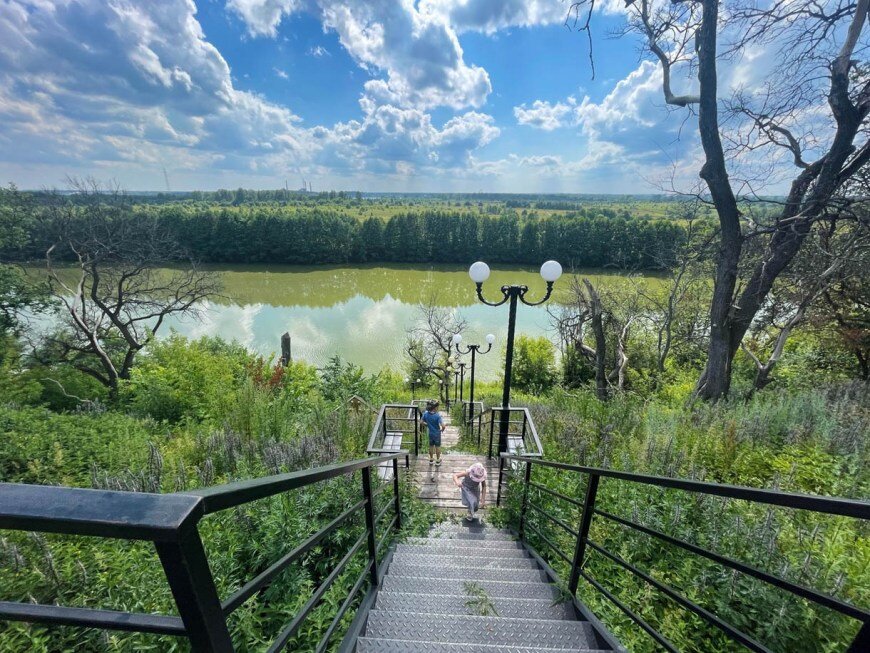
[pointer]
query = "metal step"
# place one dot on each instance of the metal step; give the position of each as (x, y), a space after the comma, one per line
(472, 533)
(467, 573)
(420, 627)
(425, 584)
(458, 604)
(469, 548)
(459, 560)
(494, 544)
(381, 645)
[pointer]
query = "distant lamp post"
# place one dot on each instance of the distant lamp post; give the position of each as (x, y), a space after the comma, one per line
(474, 350)
(461, 381)
(414, 385)
(479, 272)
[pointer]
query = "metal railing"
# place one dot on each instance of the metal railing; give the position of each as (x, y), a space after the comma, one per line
(589, 511)
(522, 432)
(402, 420)
(171, 523)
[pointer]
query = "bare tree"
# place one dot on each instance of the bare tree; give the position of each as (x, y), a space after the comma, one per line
(118, 292)
(586, 308)
(834, 258)
(429, 340)
(813, 109)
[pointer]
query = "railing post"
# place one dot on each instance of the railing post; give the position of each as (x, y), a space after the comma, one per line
(416, 431)
(862, 640)
(398, 505)
(583, 535)
(189, 577)
(491, 432)
(527, 478)
(370, 523)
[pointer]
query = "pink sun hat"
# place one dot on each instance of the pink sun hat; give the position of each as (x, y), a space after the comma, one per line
(477, 473)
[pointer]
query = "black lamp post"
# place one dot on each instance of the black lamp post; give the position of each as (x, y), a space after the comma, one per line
(461, 380)
(414, 385)
(479, 272)
(474, 350)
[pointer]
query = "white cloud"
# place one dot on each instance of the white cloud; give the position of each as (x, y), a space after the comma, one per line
(489, 16)
(262, 17)
(282, 74)
(545, 115)
(418, 52)
(94, 82)
(318, 51)
(393, 140)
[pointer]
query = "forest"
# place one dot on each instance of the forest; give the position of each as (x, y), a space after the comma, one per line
(326, 231)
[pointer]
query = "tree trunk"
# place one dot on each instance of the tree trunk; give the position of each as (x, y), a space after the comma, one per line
(600, 341)
(716, 378)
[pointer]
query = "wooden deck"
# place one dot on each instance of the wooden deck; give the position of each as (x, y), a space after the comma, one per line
(436, 483)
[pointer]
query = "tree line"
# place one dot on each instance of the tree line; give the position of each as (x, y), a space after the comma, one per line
(308, 236)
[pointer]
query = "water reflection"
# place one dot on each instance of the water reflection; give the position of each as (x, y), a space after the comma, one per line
(360, 313)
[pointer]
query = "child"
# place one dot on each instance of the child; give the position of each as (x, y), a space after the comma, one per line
(472, 484)
(432, 418)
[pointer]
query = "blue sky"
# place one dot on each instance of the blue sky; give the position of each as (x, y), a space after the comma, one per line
(379, 95)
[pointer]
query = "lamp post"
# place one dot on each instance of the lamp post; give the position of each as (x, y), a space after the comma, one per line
(461, 381)
(414, 385)
(479, 272)
(455, 386)
(474, 350)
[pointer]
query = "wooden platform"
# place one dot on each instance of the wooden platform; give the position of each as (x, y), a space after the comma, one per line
(436, 483)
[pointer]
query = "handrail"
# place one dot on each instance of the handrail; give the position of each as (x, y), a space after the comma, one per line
(381, 429)
(819, 504)
(170, 522)
(528, 424)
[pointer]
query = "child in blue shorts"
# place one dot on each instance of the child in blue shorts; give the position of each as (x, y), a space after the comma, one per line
(432, 418)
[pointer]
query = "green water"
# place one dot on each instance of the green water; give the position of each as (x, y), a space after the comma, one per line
(362, 313)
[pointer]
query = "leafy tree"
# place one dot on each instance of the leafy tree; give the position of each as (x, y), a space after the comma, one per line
(534, 366)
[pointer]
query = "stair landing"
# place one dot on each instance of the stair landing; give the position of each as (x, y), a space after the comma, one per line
(436, 482)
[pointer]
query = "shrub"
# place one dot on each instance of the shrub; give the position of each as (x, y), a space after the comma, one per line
(534, 367)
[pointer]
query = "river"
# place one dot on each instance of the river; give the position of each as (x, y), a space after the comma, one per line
(361, 313)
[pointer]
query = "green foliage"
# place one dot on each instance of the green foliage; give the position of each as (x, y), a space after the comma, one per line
(340, 380)
(180, 379)
(534, 366)
(479, 602)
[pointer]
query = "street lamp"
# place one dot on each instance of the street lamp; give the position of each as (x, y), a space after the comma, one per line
(414, 385)
(474, 350)
(479, 272)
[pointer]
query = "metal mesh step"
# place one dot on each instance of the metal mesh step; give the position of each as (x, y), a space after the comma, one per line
(470, 548)
(542, 633)
(467, 573)
(444, 560)
(462, 603)
(471, 533)
(424, 584)
(380, 645)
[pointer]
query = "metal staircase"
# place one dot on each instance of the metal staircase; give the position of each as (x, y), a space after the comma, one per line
(474, 589)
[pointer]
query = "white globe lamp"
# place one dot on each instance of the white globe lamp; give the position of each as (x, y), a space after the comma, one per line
(479, 272)
(551, 270)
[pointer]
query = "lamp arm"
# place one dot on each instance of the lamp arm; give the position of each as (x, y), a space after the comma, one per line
(525, 289)
(505, 290)
(463, 353)
(488, 349)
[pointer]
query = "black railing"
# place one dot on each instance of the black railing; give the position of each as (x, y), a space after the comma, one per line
(171, 522)
(397, 426)
(576, 560)
(522, 434)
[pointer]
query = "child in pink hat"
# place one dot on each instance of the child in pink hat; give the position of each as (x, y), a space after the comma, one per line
(472, 485)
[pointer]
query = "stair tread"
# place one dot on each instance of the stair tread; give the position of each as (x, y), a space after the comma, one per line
(459, 560)
(495, 588)
(547, 633)
(470, 548)
(457, 604)
(382, 645)
(469, 573)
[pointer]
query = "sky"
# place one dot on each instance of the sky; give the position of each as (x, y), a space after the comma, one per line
(371, 95)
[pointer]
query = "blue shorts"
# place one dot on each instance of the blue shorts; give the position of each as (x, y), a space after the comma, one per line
(435, 440)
